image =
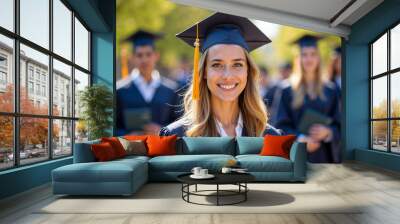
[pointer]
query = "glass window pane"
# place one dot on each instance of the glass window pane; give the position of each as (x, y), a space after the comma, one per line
(6, 142)
(34, 96)
(395, 94)
(35, 21)
(379, 135)
(62, 29)
(379, 55)
(395, 135)
(81, 81)
(81, 131)
(6, 74)
(395, 47)
(33, 139)
(81, 45)
(62, 89)
(7, 14)
(379, 98)
(62, 138)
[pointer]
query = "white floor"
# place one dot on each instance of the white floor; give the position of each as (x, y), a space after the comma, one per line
(378, 190)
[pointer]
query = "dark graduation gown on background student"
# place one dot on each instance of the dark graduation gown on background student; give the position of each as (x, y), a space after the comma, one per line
(163, 105)
(288, 120)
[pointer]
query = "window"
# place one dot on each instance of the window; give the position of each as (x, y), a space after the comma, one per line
(7, 14)
(30, 87)
(81, 45)
(385, 96)
(37, 89)
(49, 79)
(30, 72)
(6, 73)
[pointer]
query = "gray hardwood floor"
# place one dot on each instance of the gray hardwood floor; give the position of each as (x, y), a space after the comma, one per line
(377, 188)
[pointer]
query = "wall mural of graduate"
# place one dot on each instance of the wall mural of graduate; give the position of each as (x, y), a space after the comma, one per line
(145, 100)
(227, 94)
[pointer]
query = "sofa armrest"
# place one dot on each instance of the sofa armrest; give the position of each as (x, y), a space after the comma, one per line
(298, 155)
(83, 152)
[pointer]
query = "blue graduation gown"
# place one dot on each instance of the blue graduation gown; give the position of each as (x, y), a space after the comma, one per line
(163, 106)
(289, 118)
(179, 129)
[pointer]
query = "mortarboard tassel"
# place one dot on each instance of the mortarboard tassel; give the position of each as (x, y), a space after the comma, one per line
(196, 90)
(124, 64)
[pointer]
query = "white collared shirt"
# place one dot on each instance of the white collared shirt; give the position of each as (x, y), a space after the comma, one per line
(238, 128)
(147, 90)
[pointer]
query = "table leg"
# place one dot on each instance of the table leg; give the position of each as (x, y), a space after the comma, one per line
(245, 193)
(196, 187)
(217, 194)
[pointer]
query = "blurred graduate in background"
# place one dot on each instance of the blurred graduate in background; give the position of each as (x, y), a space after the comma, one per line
(335, 68)
(275, 91)
(224, 98)
(309, 106)
(146, 100)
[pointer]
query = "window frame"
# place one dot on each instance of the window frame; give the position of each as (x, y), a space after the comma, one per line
(16, 115)
(388, 74)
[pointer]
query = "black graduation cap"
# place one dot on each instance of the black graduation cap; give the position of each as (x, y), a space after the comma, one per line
(338, 50)
(307, 40)
(286, 65)
(143, 38)
(221, 28)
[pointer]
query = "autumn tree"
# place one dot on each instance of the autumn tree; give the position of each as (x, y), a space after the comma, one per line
(33, 131)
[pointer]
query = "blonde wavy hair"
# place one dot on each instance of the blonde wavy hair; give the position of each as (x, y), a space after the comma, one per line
(198, 115)
(298, 83)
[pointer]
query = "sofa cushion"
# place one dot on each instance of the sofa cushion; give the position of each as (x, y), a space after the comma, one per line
(83, 152)
(257, 163)
(112, 171)
(103, 152)
(161, 145)
(277, 145)
(134, 147)
(249, 145)
(185, 163)
(207, 145)
(116, 145)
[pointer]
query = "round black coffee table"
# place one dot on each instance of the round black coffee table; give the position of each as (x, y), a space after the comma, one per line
(238, 179)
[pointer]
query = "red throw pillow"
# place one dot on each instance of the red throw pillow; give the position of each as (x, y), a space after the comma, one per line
(103, 151)
(116, 145)
(161, 145)
(277, 145)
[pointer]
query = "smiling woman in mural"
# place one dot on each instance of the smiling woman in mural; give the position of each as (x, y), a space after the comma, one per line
(223, 99)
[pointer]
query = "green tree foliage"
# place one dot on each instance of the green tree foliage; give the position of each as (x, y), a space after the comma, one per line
(159, 16)
(380, 127)
(284, 50)
(140, 14)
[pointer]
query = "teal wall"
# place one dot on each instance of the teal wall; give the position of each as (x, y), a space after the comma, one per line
(24, 178)
(356, 85)
(99, 16)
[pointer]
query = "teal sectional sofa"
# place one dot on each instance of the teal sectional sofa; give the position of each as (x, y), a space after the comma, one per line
(125, 176)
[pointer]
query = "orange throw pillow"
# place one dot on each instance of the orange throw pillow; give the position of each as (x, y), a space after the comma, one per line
(103, 151)
(161, 145)
(277, 145)
(116, 145)
(136, 137)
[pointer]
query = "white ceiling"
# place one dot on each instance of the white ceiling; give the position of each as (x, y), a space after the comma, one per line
(324, 16)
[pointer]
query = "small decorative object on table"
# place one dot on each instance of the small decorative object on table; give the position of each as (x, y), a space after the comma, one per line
(232, 165)
(200, 173)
